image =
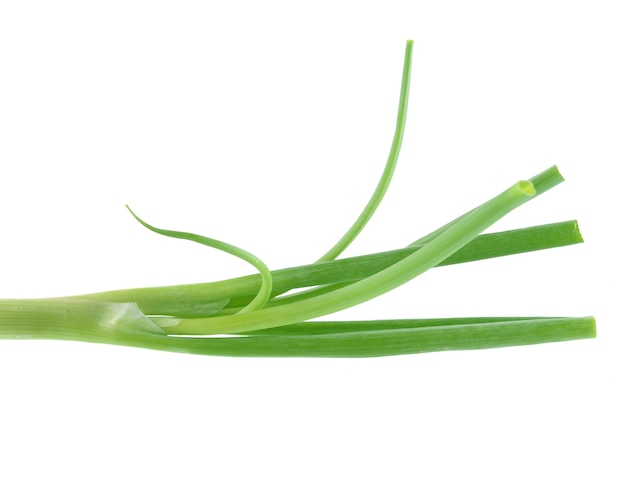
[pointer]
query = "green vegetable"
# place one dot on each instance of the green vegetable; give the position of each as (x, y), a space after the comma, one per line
(255, 315)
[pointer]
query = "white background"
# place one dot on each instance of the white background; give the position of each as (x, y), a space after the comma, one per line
(266, 124)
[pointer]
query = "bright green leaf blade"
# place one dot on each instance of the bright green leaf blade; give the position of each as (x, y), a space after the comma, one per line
(309, 328)
(265, 288)
(542, 182)
(390, 166)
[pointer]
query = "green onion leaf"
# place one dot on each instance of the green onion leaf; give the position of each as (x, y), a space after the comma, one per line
(266, 277)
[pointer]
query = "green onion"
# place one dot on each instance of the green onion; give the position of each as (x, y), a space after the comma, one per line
(124, 324)
(268, 313)
(385, 179)
(206, 299)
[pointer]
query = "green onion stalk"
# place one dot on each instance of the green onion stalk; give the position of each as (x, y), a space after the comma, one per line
(272, 313)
